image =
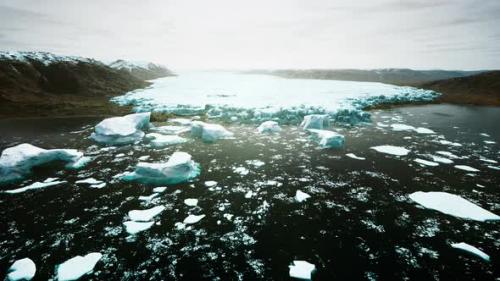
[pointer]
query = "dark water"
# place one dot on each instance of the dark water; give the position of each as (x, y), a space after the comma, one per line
(358, 224)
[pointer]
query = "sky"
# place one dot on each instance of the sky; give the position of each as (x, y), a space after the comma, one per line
(271, 34)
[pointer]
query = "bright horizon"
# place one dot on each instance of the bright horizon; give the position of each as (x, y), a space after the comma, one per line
(260, 34)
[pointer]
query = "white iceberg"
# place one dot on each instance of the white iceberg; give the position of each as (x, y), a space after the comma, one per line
(327, 139)
(471, 249)
(16, 162)
(179, 168)
(209, 132)
(301, 196)
(315, 121)
(391, 149)
(191, 202)
(36, 185)
(426, 163)
(192, 219)
(145, 215)
(301, 270)
(78, 266)
(161, 141)
(269, 127)
(466, 168)
(23, 269)
(453, 205)
(134, 227)
(353, 156)
(121, 130)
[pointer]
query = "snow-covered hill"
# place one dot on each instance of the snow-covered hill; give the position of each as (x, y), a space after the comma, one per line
(142, 70)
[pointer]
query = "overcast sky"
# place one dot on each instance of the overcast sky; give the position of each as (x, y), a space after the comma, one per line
(446, 34)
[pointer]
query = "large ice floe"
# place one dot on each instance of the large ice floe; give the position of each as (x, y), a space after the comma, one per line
(209, 132)
(453, 205)
(23, 269)
(179, 168)
(256, 98)
(471, 249)
(16, 162)
(121, 130)
(78, 266)
(327, 139)
(301, 270)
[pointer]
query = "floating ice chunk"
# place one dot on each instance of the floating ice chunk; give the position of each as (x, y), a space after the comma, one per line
(36, 185)
(440, 159)
(133, 227)
(301, 196)
(210, 183)
(328, 139)
(452, 204)
(148, 198)
(171, 130)
(353, 156)
(301, 270)
(471, 249)
(209, 132)
(78, 266)
(256, 163)
(160, 141)
(315, 121)
(121, 130)
(448, 154)
(402, 127)
(241, 170)
(425, 162)
(391, 149)
(16, 162)
(78, 164)
(88, 181)
(484, 135)
(99, 185)
(249, 194)
(179, 168)
(192, 219)
(421, 130)
(160, 189)
(191, 202)
(145, 215)
(446, 142)
(269, 127)
(493, 167)
(489, 142)
(466, 168)
(23, 269)
(487, 160)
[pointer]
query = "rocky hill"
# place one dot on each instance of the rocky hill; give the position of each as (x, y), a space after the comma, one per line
(44, 84)
(396, 76)
(479, 89)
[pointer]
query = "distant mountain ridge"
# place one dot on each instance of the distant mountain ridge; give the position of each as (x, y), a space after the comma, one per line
(142, 70)
(396, 76)
(40, 83)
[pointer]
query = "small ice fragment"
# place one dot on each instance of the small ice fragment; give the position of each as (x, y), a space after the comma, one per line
(301, 270)
(23, 269)
(448, 154)
(148, 198)
(160, 189)
(391, 149)
(301, 196)
(78, 266)
(133, 227)
(249, 194)
(191, 202)
(88, 181)
(255, 163)
(489, 142)
(452, 204)
(241, 170)
(145, 215)
(210, 183)
(402, 127)
(471, 249)
(445, 142)
(353, 156)
(327, 139)
(421, 130)
(487, 160)
(484, 135)
(36, 185)
(425, 162)
(466, 168)
(192, 219)
(98, 186)
(269, 127)
(440, 159)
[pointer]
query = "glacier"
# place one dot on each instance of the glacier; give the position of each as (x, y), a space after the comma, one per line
(16, 162)
(179, 168)
(121, 130)
(254, 98)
